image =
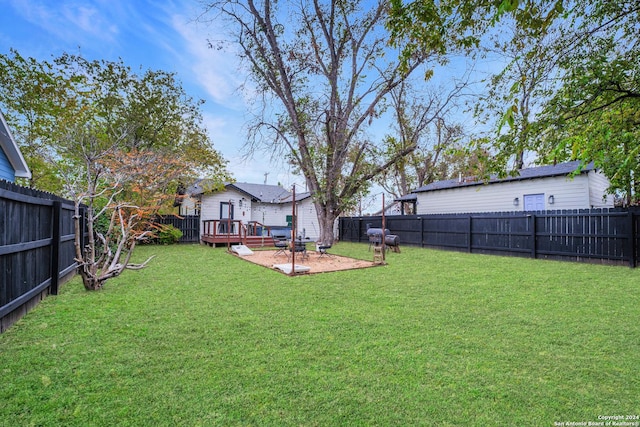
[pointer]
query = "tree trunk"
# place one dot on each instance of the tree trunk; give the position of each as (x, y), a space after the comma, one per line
(326, 219)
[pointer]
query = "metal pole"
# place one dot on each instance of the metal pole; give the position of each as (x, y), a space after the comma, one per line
(384, 234)
(293, 232)
(229, 227)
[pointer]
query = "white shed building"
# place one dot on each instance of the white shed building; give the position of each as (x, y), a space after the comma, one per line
(533, 189)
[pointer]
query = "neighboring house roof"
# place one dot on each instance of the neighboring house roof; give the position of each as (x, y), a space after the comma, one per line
(257, 192)
(562, 169)
(389, 208)
(10, 148)
(411, 197)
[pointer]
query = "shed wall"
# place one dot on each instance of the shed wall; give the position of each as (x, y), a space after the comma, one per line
(598, 185)
(569, 193)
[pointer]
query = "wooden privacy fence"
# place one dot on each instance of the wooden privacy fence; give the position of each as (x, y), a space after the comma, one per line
(601, 235)
(36, 248)
(188, 224)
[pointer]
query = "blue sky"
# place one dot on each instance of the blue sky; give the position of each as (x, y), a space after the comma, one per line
(147, 34)
(159, 35)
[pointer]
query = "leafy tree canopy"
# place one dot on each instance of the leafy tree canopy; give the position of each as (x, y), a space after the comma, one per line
(44, 100)
(572, 96)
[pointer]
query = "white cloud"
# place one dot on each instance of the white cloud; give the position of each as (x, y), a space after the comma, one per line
(216, 70)
(68, 21)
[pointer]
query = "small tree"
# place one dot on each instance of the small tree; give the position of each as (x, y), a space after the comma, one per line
(420, 123)
(105, 182)
(119, 142)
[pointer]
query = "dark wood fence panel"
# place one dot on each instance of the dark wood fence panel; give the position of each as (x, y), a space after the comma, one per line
(188, 224)
(605, 235)
(36, 248)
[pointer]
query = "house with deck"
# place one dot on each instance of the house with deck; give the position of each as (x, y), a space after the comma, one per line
(12, 163)
(554, 187)
(249, 213)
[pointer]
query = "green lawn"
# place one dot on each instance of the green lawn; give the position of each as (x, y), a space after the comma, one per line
(202, 338)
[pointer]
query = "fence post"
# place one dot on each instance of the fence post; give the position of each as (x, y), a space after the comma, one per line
(631, 243)
(469, 245)
(55, 248)
(534, 246)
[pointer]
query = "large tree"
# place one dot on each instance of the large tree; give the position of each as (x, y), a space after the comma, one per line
(42, 100)
(322, 70)
(591, 112)
(117, 142)
(514, 95)
(593, 116)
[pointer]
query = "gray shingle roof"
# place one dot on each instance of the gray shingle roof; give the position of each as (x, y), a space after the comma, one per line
(258, 192)
(261, 192)
(529, 173)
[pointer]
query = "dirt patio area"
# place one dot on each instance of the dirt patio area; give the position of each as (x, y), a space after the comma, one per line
(316, 263)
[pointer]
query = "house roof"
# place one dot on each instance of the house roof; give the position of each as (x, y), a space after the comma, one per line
(257, 192)
(411, 197)
(562, 169)
(11, 150)
(260, 192)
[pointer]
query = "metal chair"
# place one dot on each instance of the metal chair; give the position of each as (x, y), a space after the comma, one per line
(299, 247)
(321, 248)
(281, 246)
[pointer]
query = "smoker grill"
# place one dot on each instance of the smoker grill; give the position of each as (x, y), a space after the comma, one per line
(390, 240)
(375, 235)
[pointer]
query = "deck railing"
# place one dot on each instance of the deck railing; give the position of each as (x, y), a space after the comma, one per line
(232, 231)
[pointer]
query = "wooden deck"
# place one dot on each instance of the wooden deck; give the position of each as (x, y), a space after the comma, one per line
(234, 232)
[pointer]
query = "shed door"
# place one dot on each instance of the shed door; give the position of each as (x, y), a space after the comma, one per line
(534, 202)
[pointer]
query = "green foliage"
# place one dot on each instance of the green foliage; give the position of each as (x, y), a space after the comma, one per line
(168, 235)
(570, 88)
(47, 101)
(117, 141)
(433, 338)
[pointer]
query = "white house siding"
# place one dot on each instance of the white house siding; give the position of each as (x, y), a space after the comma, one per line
(188, 205)
(568, 193)
(308, 219)
(271, 214)
(210, 206)
(598, 185)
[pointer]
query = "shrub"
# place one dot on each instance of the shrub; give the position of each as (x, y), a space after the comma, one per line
(168, 235)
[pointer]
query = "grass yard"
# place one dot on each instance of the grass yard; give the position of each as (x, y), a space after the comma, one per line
(201, 338)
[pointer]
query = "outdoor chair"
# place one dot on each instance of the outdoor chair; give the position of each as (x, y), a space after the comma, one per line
(322, 248)
(299, 247)
(281, 246)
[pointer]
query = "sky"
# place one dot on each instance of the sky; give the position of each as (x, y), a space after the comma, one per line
(157, 35)
(146, 34)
